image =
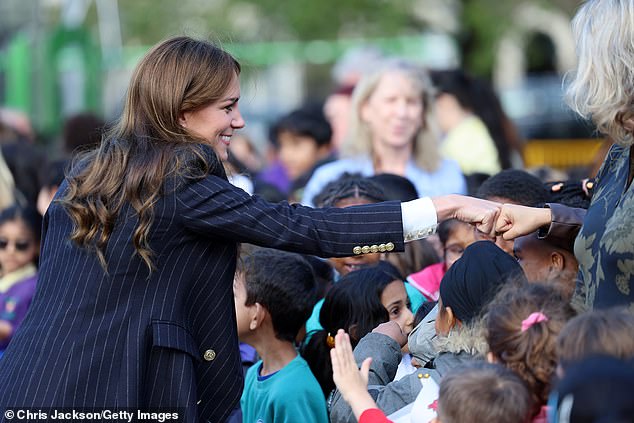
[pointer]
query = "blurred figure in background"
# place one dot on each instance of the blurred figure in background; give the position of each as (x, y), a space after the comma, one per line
(478, 133)
(302, 139)
(82, 130)
(346, 73)
(392, 131)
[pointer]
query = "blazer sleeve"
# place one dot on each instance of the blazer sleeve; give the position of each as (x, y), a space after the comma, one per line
(564, 227)
(212, 207)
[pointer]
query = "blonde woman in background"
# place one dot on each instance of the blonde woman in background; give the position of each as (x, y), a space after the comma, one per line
(392, 131)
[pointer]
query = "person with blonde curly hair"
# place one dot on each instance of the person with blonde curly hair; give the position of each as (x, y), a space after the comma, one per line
(602, 88)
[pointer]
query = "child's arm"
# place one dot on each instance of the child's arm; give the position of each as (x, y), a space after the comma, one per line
(351, 381)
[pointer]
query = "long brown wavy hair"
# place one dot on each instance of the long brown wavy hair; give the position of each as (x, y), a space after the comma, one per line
(148, 144)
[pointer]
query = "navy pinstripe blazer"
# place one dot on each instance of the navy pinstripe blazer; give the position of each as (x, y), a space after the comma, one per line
(128, 338)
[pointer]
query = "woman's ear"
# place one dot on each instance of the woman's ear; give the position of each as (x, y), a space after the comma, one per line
(183, 119)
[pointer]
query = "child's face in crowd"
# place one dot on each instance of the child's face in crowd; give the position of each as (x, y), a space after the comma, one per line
(345, 265)
(459, 239)
(18, 246)
(299, 153)
(395, 300)
(534, 257)
(243, 315)
(394, 110)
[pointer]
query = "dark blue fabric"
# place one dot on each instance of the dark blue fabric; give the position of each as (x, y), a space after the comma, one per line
(128, 338)
(474, 279)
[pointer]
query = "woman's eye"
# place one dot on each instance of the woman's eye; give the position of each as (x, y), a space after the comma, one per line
(395, 311)
(229, 108)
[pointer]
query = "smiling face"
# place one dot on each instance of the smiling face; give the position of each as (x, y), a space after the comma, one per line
(216, 122)
(394, 111)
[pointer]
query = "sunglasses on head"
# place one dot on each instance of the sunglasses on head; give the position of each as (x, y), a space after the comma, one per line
(18, 245)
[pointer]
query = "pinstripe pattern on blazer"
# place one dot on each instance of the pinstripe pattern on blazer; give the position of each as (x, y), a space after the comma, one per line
(127, 338)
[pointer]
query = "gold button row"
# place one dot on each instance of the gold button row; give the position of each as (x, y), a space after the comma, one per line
(381, 248)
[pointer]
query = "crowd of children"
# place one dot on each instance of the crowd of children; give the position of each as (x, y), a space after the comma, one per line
(461, 327)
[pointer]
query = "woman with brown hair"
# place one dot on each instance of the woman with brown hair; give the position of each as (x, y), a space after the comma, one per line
(134, 305)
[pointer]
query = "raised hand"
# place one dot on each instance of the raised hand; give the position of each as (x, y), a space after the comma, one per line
(351, 381)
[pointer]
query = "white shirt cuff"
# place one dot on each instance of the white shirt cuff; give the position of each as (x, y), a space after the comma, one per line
(419, 218)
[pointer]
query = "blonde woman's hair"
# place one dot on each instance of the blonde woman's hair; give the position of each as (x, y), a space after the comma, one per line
(602, 87)
(359, 138)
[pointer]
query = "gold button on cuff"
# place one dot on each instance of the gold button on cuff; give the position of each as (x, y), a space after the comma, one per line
(374, 248)
(356, 250)
(209, 355)
(382, 248)
(389, 246)
(420, 376)
(365, 249)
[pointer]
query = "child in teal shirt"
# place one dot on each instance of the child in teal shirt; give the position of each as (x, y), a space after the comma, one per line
(274, 294)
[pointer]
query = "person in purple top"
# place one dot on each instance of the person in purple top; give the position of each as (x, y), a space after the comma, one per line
(19, 248)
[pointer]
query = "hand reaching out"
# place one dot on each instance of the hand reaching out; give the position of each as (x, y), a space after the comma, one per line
(481, 213)
(351, 381)
(515, 220)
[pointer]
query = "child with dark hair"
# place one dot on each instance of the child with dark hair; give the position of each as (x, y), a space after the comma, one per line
(596, 389)
(303, 142)
(274, 293)
(607, 332)
(547, 260)
(454, 237)
(359, 302)
(19, 248)
(515, 187)
(522, 325)
(477, 393)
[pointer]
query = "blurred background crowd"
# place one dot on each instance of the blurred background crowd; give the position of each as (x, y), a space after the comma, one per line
(346, 103)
